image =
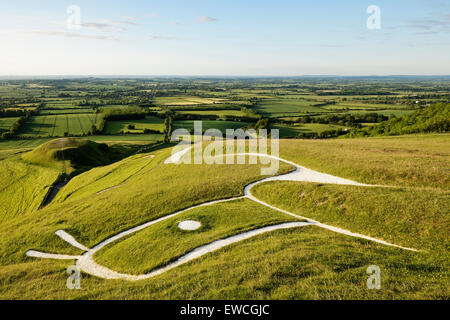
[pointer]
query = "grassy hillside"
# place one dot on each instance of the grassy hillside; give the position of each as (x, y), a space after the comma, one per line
(29, 176)
(410, 217)
(303, 263)
(106, 200)
(74, 154)
(164, 242)
(435, 118)
(24, 187)
(411, 160)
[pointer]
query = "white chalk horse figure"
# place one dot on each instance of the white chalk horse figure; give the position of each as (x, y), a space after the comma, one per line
(86, 263)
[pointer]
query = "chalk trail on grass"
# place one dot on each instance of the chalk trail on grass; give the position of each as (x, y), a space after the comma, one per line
(87, 264)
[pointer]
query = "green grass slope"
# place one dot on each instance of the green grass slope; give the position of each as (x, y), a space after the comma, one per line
(302, 263)
(75, 154)
(164, 242)
(24, 187)
(435, 118)
(410, 160)
(103, 201)
(305, 263)
(411, 217)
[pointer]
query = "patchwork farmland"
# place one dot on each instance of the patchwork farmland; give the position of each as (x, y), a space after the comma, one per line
(93, 178)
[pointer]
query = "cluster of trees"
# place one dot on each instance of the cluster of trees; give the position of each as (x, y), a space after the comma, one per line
(322, 135)
(168, 127)
(353, 92)
(239, 118)
(349, 120)
(15, 113)
(435, 118)
(322, 104)
(260, 124)
(204, 108)
(192, 116)
(130, 113)
(88, 103)
(15, 127)
(123, 116)
(249, 112)
(97, 130)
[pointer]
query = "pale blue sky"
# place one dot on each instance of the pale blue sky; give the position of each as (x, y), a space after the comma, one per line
(227, 37)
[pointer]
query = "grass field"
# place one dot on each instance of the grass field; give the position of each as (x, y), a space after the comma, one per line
(24, 187)
(64, 111)
(185, 100)
(6, 123)
(294, 130)
(301, 263)
(152, 123)
(411, 160)
(92, 216)
(410, 217)
(304, 263)
(210, 124)
(164, 242)
(57, 125)
(286, 107)
(219, 112)
(27, 144)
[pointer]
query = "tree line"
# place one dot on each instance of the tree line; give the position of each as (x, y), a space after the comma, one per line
(16, 126)
(434, 118)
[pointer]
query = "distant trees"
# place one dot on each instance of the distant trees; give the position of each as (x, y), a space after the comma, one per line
(168, 127)
(147, 131)
(94, 130)
(435, 118)
(9, 113)
(130, 113)
(322, 135)
(349, 120)
(16, 126)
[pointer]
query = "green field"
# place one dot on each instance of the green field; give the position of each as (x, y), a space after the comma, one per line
(294, 130)
(161, 243)
(186, 101)
(210, 124)
(24, 188)
(152, 123)
(58, 125)
(220, 113)
(301, 263)
(286, 107)
(411, 160)
(6, 123)
(64, 111)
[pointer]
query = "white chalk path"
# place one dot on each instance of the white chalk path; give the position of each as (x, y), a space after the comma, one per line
(87, 264)
(68, 238)
(43, 255)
